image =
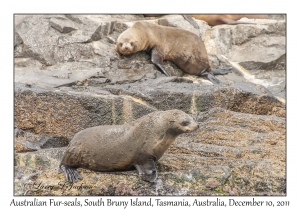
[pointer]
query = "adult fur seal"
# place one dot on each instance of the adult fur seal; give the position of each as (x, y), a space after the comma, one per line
(219, 19)
(182, 47)
(119, 147)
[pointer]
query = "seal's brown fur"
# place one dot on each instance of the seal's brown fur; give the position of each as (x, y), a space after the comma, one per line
(119, 147)
(182, 47)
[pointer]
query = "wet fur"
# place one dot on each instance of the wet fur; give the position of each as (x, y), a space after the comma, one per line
(119, 147)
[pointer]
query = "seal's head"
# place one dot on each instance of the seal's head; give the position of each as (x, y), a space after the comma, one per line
(181, 122)
(126, 43)
(133, 39)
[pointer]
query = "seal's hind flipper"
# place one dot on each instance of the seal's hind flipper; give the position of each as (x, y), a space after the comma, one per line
(211, 78)
(221, 71)
(191, 21)
(70, 173)
(147, 171)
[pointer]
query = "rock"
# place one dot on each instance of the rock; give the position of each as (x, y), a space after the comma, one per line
(231, 190)
(233, 144)
(63, 25)
(195, 98)
(23, 176)
(21, 145)
(241, 43)
(64, 112)
(18, 40)
(123, 189)
(43, 41)
(26, 141)
(39, 40)
(253, 47)
(42, 159)
(277, 16)
(26, 63)
(56, 77)
(212, 184)
(179, 22)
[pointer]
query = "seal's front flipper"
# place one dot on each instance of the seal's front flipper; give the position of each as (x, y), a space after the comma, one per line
(147, 170)
(221, 71)
(157, 60)
(70, 173)
(191, 21)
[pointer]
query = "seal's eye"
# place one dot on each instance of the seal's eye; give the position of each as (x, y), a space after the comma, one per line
(131, 43)
(185, 123)
(120, 44)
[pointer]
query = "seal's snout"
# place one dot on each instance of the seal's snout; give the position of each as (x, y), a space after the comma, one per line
(196, 126)
(191, 127)
(126, 49)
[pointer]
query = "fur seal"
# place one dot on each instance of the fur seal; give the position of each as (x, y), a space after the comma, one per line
(119, 147)
(182, 47)
(219, 19)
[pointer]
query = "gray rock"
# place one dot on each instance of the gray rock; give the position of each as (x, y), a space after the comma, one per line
(212, 184)
(42, 159)
(248, 42)
(38, 39)
(46, 44)
(26, 141)
(277, 16)
(55, 77)
(254, 47)
(64, 112)
(63, 25)
(18, 40)
(28, 63)
(195, 98)
(179, 22)
(22, 145)
(23, 177)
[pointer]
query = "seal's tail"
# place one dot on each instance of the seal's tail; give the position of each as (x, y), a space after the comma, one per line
(70, 173)
(211, 74)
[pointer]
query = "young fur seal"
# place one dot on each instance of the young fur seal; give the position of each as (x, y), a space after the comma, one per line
(182, 47)
(119, 147)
